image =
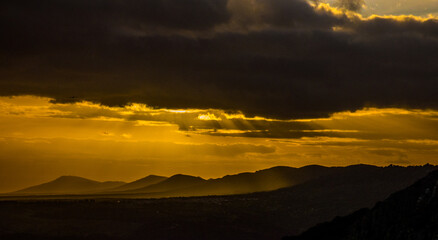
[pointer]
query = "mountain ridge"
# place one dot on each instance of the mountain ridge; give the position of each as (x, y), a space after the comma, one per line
(180, 185)
(174, 182)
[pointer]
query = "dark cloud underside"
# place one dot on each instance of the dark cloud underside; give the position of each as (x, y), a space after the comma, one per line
(278, 58)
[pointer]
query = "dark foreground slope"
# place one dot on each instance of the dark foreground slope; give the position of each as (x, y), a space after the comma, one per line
(410, 214)
(268, 215)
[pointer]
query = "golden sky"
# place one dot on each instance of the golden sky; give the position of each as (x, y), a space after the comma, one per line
(213, 87)
(41, 140)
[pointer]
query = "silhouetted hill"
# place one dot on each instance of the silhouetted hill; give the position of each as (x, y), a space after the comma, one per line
(70, 185)
(243, 183)
(140, 183)
(173, 183)
(410, 214)
(184, 185)
(310, 178)
(259, 181)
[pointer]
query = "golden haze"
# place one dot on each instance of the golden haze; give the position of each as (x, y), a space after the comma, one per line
(41, 140)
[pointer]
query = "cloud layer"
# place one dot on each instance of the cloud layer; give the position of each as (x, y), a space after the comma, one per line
(40, 140)
(278, 58)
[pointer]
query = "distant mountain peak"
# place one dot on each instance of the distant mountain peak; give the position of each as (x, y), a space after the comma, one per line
(72, 178)
(140, 183)
(183, 176)
(153, 176)
(178, 181)
(150, 178)
(69, 185)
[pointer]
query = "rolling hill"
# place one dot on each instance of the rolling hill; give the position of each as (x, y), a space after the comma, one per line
(259, 181)
(70, 185)
(185, 185)
(285, 177)
(140, 183)
(250, 182)
(172, 183)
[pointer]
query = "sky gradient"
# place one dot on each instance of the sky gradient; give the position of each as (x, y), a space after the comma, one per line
(117, 90)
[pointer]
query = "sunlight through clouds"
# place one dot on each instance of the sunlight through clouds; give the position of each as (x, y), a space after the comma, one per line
(36, 128)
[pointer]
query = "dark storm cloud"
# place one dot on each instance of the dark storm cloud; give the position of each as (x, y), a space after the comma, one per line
(85, 15)
(282, 13)
(352, 5)
(278, 58)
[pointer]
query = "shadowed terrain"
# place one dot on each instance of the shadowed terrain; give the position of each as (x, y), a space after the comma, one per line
(410, 214)
(263, 215)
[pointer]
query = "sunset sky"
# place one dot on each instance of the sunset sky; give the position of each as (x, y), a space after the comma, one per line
(120, 89)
